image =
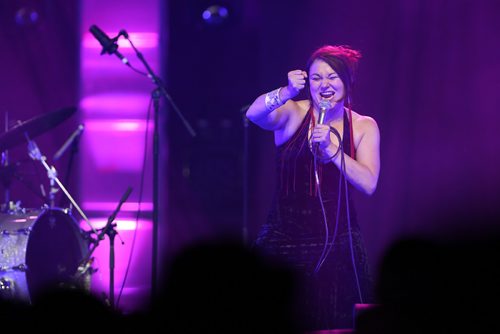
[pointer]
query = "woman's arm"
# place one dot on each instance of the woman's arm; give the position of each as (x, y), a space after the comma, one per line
(362, 172)
(274, 114)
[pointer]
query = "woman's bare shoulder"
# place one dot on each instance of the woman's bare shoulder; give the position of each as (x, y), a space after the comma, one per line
(363, 122)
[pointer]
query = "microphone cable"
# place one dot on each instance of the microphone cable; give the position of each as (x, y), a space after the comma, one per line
(342, 177)
(325, 252)
(342, 163)
(139, 202)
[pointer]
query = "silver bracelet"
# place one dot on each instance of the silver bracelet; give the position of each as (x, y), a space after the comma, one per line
(273, 100)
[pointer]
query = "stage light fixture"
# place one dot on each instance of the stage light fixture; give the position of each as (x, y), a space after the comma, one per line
(215, 14)
(26, 16)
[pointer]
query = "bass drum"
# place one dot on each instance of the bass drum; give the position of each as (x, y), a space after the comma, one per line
(39, 249)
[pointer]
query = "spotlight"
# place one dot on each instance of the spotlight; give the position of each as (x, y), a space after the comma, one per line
(215, 15)
(26, 16)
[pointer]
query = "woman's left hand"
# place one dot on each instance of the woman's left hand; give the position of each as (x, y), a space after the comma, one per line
(321, 135)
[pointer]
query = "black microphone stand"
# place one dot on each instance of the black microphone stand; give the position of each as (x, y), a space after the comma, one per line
(109, 230)
(156, 94)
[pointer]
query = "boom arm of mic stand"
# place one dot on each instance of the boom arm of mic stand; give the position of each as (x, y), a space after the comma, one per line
(160, 86)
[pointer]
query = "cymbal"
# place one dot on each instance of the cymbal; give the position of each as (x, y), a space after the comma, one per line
(34, 127)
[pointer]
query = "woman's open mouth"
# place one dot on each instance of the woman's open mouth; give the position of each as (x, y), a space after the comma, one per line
(327, 95)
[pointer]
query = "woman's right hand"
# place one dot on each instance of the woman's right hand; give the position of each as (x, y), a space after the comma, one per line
(296, 82)
(278, 117)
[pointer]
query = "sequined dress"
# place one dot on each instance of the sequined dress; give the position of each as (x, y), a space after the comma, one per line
(294, 234)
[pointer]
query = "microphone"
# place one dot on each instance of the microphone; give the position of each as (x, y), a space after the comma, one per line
(109, 45)
(323, 105)
(68, 142)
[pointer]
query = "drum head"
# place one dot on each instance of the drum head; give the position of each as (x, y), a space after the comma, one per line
(54, 251)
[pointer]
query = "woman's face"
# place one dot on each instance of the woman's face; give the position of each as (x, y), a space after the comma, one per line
(325, 84)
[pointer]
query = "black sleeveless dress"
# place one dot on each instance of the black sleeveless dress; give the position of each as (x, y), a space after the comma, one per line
(294, 234)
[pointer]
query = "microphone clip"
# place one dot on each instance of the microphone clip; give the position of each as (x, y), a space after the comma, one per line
(111, 47)
(123, 33)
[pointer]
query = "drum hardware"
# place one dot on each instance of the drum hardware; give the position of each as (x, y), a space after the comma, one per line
(34, 127)
(48, 241)
(7, 171)
(24, 231)
(16, 135)
(20, 267)
(56, 185)
(52, 174)
(6, 284)
(39, 249)
(15, 207)
(7, 288)
(84, 268)
(17, 174)
(35, 154)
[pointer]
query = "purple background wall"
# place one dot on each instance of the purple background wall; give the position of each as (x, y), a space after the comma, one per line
(39, 66)
(49, 61)
(117, 147)
(429, 76)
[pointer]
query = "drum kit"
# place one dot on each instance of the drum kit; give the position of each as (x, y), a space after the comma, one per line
(46, 247)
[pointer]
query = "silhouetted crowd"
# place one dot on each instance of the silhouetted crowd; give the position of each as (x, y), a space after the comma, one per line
(426, 284)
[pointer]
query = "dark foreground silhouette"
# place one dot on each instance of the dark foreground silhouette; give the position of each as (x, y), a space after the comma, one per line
(447, 282)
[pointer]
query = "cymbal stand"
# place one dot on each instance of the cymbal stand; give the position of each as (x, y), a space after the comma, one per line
(6, 180)
(35, 154)
(52, 174)
(8, 172)
(5, 165)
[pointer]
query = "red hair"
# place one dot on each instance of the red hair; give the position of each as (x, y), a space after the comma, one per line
(344, 61)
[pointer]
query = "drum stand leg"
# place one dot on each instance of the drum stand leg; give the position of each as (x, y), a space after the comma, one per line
(110, 231)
